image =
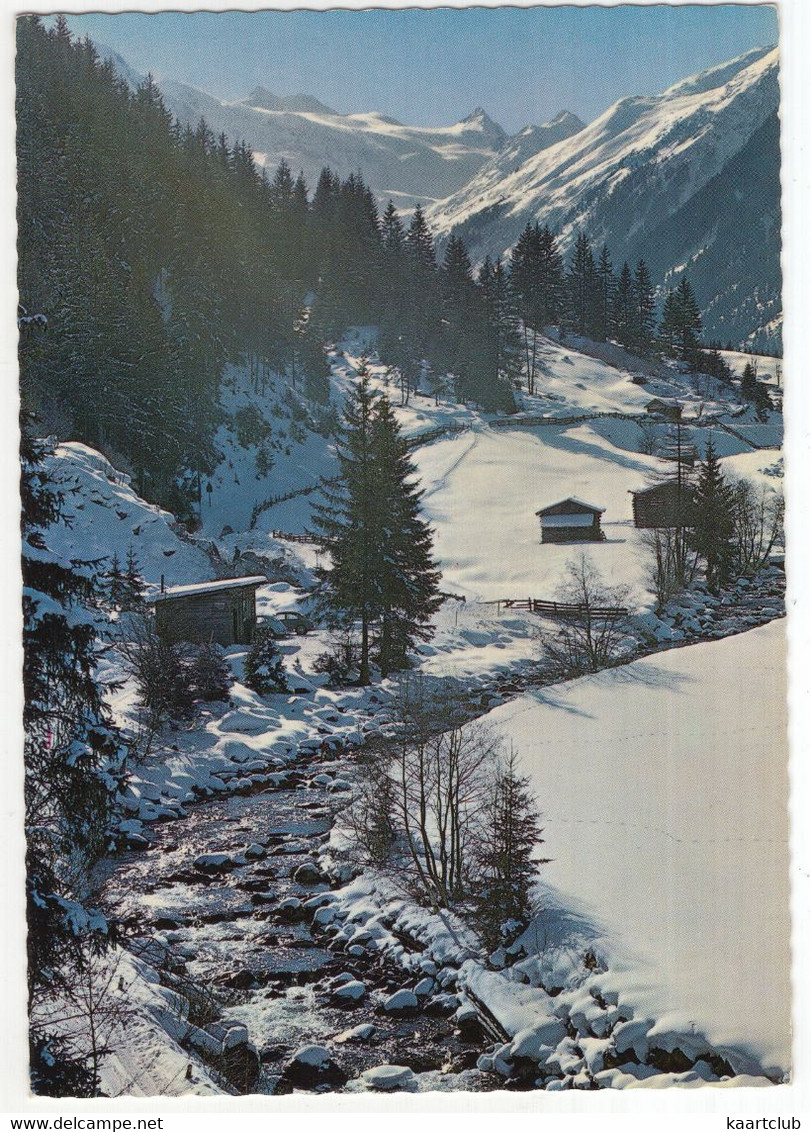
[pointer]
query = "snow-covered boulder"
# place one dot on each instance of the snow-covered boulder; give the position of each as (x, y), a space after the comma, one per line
(213, 862)
(401, 1002)
(313, 1065)
(388, 1077)
(349, 993)
(308, 873)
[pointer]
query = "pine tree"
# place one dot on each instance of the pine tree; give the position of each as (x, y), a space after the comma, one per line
(527, 284)
(505, 859)
(669, 324)
(420, 241)
(409, 578)
(74, 761)
(713, 528)
(381, 569)
(264, 670)
(134, 586)
(115, 583)
(210, 676)
(690, 323)
(623, 318)
(495, 341)
(606, 285)
(643, 316)
(583, 287)
(348, 527)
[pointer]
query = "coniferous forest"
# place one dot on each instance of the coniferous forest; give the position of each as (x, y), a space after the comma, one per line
(158, 254)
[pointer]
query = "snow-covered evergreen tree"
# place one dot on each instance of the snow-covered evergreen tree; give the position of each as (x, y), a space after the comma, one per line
(714, 523)
(210, 676)
(380, 549)
(264, 671)
(74, 763)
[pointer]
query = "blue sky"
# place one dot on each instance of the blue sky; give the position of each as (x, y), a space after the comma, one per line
(433, 67)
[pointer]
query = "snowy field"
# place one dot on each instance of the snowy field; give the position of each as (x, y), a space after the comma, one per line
(484, 487)
(664, 792)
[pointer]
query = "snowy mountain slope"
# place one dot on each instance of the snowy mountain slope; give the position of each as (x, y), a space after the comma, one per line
(678, 861)
(643, 162)
(410, 164)
(107, 517)
(499, 475)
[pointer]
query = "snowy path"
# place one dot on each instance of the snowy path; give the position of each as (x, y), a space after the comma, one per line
(664, 791)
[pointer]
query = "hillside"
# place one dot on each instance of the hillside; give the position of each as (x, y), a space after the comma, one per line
(688, 178)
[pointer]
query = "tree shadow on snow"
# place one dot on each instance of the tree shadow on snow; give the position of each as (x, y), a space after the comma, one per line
(652, 676)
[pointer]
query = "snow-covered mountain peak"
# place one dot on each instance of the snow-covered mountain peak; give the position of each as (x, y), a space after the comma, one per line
(724, 73)
(481, 120)
(534, 139)
(261, 98)
(632, 171)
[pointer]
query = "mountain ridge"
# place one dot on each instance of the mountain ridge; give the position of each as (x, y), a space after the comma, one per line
(626, 173)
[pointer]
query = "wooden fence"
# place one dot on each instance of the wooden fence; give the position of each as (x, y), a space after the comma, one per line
(562, 610)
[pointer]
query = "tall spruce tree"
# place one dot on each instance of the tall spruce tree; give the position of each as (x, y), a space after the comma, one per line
(644, 307)
(606, 288)
(409, 577)
(623, 318)
(380, 569)
(583, 288)
(713, 527)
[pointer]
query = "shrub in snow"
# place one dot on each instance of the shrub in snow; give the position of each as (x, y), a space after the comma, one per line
(340, 661)
(589, 638)
(161, 671)
(210, 675)
(264, 671)
(370, 818)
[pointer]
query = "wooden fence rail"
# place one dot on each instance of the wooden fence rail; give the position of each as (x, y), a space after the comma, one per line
(562, 609)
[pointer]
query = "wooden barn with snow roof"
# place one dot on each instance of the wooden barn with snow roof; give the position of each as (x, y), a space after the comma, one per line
(223, 611)
(670, 504)
(571, 520)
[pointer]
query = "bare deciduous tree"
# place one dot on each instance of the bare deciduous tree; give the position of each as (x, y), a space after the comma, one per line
(590, 637)
(672, 564)
(757, 525)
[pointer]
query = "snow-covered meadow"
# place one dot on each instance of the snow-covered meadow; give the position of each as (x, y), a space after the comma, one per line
(664, 790)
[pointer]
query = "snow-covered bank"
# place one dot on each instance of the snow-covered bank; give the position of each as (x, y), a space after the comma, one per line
(664, 791)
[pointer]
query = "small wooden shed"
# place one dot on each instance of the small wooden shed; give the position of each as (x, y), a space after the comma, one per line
(668, 504)
(571, 520)
(670, 410)
(223, 611)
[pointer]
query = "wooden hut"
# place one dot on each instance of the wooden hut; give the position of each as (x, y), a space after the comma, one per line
(571, 520)
(223, 611)
(670, 410)
(668, 504)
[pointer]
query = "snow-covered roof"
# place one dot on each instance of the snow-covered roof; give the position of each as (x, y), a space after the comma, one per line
(572, 499)
(211, 587)
(577, 520)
